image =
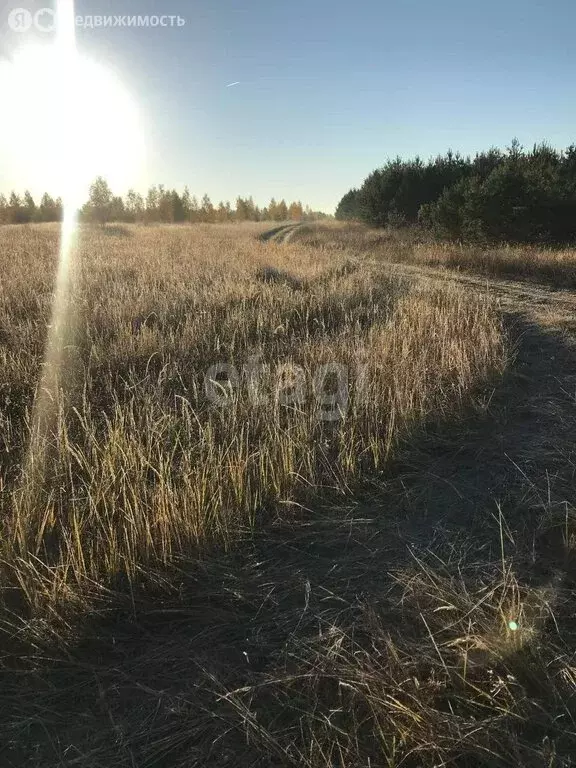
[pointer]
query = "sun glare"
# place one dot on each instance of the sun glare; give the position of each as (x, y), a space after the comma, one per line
(66, 120)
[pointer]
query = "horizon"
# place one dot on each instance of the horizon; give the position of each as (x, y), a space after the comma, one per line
(197, 195)
(254, 102)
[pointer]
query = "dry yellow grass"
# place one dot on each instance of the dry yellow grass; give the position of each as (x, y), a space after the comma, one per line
(142, 466)
(191, 582)
(551, 266)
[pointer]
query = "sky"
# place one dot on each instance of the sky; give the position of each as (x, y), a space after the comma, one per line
(327, 91)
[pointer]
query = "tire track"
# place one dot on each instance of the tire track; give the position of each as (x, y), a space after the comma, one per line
(281, 234)
(512, 294)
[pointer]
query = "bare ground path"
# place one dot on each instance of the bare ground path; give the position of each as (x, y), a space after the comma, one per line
(280, 234)
(515, 295)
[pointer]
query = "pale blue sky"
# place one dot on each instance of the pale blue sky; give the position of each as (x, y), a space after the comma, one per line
(329, 90)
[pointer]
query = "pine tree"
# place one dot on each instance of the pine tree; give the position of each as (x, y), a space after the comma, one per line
(253, 212)
(14, 209)
(349, 206)
(47, 210)
(281, 211)
(242, 212)
(186, 204)
(194, 209)
(179, 213)
(165, 212)
(152, 200)
(28, 208)
(221, 213)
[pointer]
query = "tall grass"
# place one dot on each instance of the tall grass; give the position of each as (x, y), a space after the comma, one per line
(204, 572)
(142, 466)
(547, 265)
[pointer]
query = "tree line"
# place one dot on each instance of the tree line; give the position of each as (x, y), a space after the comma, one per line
(23, 210)
(159, 205)
(514, 195)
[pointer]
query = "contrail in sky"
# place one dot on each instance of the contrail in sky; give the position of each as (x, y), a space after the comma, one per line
(231, 84)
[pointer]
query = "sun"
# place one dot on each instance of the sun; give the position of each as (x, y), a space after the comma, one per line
(67, 119)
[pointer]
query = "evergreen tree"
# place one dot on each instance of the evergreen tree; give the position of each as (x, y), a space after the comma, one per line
(242, 210)
(349, 206)
(48, 209)
(253, 212)
(186, 204)
(28, 208)
(179, 210)
(152, 205)
(221, 213)
(272, 209)
(194, 209)
(281, 211)
(15, 214)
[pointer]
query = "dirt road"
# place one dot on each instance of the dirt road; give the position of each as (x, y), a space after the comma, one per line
(524, 443)
(281, 234)
(513, 295)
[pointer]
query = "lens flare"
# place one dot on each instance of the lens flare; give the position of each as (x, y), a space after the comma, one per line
(84, 141)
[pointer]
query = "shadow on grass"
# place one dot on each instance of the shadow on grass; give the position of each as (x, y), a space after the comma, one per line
(116, 230)
(366, 630)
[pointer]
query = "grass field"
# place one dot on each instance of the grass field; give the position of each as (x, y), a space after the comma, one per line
(550, 266)
(261, 516)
